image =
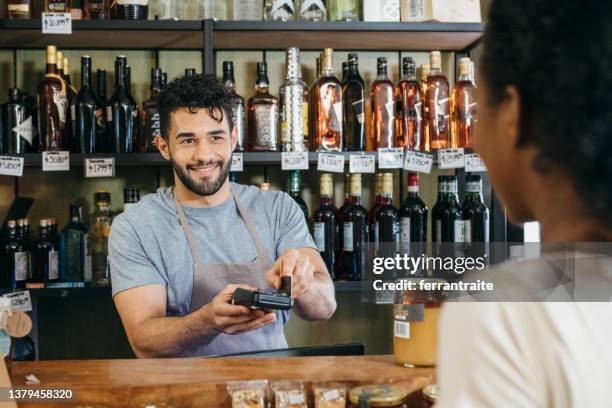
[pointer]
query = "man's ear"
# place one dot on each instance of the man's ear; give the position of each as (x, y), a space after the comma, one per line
(234, 137)
(510, 116)
(163, 147)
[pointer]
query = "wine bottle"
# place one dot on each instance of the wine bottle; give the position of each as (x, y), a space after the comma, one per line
(325, 224)
(463, 106)
(123, 112)
(295, 189)
(409, 108)
(385, 222)
(354, 107)
(438, 104)
(475, 213)
(436, 211)
(413, 222)
(328, 108)
(90, 115)
(354, 230)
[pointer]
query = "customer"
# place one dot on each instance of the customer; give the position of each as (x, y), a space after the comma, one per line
(545, 133)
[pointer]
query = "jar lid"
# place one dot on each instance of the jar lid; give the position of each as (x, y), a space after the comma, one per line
(379, 395)
(430, 393)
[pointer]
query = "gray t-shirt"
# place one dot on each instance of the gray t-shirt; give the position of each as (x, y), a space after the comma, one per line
(147, 244)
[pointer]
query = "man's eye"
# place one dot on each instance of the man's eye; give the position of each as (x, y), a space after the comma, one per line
(217, 138)
(187, 141)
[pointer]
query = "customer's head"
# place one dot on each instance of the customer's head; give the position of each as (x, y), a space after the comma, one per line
(545, 104)
(196, 129)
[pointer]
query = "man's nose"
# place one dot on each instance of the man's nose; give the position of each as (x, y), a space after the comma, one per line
(203, 151)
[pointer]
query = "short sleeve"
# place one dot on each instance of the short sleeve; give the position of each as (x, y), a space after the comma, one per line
(130, 267)
(291, 227)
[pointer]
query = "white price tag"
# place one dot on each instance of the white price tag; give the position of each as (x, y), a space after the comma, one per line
(294, 160)
(473, 162)
(100, 167)
(56, 23)
(451, 158)
(418, 162)
(237, 162)
(362, 163)
(391, 158)
(56, 161)
(11, 166)
(331, 162)
(20, 300)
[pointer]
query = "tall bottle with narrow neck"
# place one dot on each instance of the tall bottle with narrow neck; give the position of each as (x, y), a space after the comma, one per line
(123, 112)
(263, 114)
(354, 107)
(464, 106)
(294, 106)
(237, 102)
(383, 108)
(90, 117)
(438, 104)
(325, 224)
(328, 108)
(151, 125)
(409, 108)
(52, 105)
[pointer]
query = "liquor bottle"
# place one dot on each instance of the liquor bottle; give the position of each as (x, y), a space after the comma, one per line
(15, 259)
(151, 126)
(464, 106)
(90, 128)
(18, 126)
(52, 105)
(294, 106)
(132, 9)
(475, 213)
(100, 224)
(436, 211)
(354, 107)
(263, 114)
(383, 107)
(409, 108)
(344, 72)
(354, 229)
(279, 10)
(295, 188)
(386, 223)
(344, 10)
(237, 102)
(57, 6)
(76, 9)
(131, 196)
(189, 72)
(75, 249)
(413, 220)
(248, 9)
(438, 104)
(327, 108)
(313, 10)
(123, 112)
(97, 9)
(325, 224)
(452, 226)
(71, 93)
(166, 10)
(45, 258)
(19, 9)
(378, 199)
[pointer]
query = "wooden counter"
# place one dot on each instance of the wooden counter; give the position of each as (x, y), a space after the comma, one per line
(200, 382)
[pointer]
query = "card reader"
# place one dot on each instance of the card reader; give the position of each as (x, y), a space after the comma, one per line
(279, 300)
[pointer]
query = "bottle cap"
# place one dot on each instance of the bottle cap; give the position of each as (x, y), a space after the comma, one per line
(435, 60)
(328, 55)
(387, 184)
(465, 66)
(327, 184)
(355, 184)
(353, 58)
(408, 66)
(51, 54)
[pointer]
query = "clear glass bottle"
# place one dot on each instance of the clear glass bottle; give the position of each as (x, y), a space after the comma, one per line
(99, 225)
(383, 108)
(294, 106)
(313, 10)
(237, 102)
(262, 111)
(344, 10)
(279, 10)
(438, 104)
(464, 106)
(409, 108)
(76, 249)
(327, 108)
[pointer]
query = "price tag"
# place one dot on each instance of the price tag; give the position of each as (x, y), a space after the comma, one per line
(237, 162)
(473, 162)
(20, 300)
(100, 167)
(294, 160)
(390, 158)
(331, 162)
(56, 23)
(451, 158)
(362, 163)
(418, 162)
(56, 161)
(11, 166)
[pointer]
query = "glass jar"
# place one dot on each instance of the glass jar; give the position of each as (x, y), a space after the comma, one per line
(415, 328)
(382, 395)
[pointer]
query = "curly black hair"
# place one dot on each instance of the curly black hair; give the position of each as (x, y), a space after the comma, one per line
(200, 91)
(558, 54)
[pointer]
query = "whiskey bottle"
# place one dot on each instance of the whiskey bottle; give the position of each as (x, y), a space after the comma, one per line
(151, 126)
(100, 224)
(413, 220)
(325, 224)
(52, 105)
(71, 94)
(237, 102)
(295, 189)
(131, 196)
(19, 9)
(279, 10)
(123, 112)
(18, 127)
(354, 107)
(313, 10)
(75, 249)
(90, 115)
(57, 6)
(263, 114)
(383, 108)
(294, 106)
(344, 10)
(15, 259)
(464, 106)
(45, 258)
(409, 110)
(97, 10)
(438, 104)
(354, 230)
(248, 9)
(132, 9)
(327, 108)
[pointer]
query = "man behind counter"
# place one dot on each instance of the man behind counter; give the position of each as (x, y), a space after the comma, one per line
(179, 254)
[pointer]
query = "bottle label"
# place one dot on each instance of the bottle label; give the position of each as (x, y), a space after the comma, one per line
(53, 265)
(22, 265)
(401, 329)
(358, 110)
(396, 231)
(438, 231)
(60, 100)
(348, 237)
(460, 231)
(266, 132)
(319, 235)
(405, 230)
(18, 8)
(152, 126)
(87, 264)
(468, 230)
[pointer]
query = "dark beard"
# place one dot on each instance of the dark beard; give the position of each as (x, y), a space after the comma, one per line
(202, 188)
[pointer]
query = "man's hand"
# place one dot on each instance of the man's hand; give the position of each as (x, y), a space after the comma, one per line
(298, 266)
(234, 319)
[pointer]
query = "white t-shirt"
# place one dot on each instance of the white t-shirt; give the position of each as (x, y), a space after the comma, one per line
(530, 354)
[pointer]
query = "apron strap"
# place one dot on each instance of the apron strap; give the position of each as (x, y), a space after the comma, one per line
(186, 230)
(261, 252)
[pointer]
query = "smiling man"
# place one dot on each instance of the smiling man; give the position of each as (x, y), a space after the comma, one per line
(179, 254)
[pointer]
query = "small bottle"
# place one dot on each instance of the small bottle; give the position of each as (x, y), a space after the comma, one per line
(263, 114)
(464, 106)
(237, 103)
(438, 104)
(327, 108)
(294, 106)
(313, 10)
(279, 10)
(325, 224)
(409, 108)
(383, 108)
(295, 189)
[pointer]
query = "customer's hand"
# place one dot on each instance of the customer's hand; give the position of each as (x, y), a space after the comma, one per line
(298, 266)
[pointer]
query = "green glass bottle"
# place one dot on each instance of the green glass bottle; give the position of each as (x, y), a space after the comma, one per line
(344, 10)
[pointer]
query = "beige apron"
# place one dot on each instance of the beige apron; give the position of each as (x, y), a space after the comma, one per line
(211, 278)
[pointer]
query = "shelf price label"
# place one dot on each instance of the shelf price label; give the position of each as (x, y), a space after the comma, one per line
(294, 160)
(100, 167)
(237, 162)
(56, 161)
(362, 163)
(56, 23)
(391, 158)
(20, 300)
(330, 162)
(418, 162)
(474, 163)
(451, 158)
(11, 166)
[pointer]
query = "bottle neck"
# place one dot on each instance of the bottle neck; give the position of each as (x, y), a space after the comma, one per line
(263, 84)
(51, 69)
(228, 79)
(327, 72)
(103, 206)
(354, 199)
(387, 199)
(120, 76)
(86, 76)
(326, 199)
(466, 78)
(383, 73)
(409, 75)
